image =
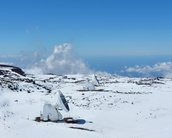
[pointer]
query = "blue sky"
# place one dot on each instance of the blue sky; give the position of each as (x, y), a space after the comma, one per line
(94, 27)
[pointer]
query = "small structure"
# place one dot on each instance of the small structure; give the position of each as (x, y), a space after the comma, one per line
(95, 80)
(88, 86)
(51, 112)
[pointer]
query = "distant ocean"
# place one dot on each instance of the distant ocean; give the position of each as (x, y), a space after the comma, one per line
(111, 64)
(118, 64)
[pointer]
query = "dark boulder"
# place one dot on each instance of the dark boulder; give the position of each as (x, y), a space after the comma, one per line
(12, 68)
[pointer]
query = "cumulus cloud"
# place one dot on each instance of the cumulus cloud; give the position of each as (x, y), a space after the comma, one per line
(62, 61)
(164, 69)
(23, 59)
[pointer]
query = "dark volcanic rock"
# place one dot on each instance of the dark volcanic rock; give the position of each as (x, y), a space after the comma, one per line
(11, 77)
(12, 68)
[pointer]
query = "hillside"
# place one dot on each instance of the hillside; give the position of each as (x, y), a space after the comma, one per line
(117, 107)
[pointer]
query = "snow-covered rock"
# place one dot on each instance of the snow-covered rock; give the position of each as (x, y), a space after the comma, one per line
(122, 107)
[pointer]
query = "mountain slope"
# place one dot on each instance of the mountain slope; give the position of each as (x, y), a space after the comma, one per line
(118, 107)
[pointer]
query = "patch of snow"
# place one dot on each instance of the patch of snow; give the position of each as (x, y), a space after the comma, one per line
(121, 107)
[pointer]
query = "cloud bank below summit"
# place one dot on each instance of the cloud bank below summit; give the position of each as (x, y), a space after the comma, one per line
(61, 61)
(164, 69)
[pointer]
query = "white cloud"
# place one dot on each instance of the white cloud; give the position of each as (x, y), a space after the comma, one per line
(164, 68)
(63, 61)
(23, 59)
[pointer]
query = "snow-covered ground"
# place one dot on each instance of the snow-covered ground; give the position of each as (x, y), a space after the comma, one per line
(119, 107)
